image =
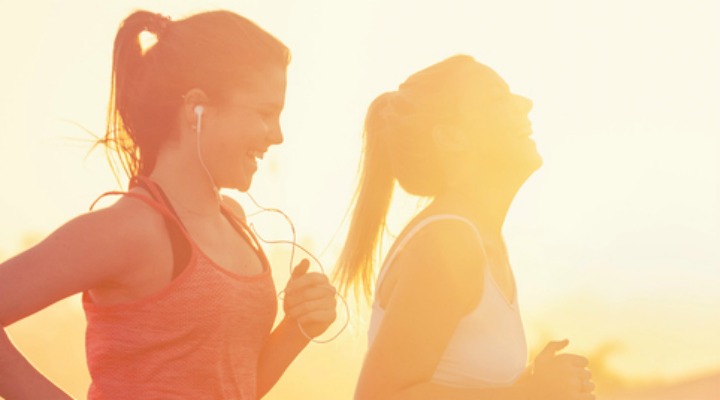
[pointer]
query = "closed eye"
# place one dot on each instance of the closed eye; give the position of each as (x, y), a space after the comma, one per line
(270, 112)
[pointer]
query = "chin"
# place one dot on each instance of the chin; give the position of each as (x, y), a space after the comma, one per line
(243, 186)
(241, 183)
(537, 163)
(521, 172)
(533, 166)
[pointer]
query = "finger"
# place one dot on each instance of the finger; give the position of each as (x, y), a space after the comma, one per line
(308, 307)
(580, 386)
(588, 387)
(308, 294)
(316, 317)
(310, 279)
(553, 347)
(326, 302)
(573, 360)
(585, 375)
(301, 268)
(314, 292)
(571, 384)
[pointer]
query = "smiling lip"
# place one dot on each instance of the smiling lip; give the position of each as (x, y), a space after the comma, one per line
(525, 131)
(256, 155)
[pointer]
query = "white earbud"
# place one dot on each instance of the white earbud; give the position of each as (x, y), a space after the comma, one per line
(199, 109)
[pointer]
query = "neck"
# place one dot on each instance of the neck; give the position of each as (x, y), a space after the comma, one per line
(487, 204)
(186, 183)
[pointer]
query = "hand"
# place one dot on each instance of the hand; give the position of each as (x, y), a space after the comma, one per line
(310, 300)
(561, 376)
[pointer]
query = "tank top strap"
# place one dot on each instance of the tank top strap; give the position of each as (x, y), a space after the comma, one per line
(161, 198)
(243, 229)
(146, 199)
(150, 186)
(414, 231)
(180, 240)
(156, 201)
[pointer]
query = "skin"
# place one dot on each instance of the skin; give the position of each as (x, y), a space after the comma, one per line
(438, 278)
(122, 253)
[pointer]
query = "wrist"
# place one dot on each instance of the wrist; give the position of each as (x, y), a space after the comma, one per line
(532, 386)
(292, 327)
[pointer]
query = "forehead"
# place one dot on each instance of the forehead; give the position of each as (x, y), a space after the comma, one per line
(484, 83)
(480, 90)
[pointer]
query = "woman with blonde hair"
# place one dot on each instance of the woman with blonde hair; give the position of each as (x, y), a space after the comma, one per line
(445, 320)
(178, 294)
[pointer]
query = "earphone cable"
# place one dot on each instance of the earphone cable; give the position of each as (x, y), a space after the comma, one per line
(293, 244)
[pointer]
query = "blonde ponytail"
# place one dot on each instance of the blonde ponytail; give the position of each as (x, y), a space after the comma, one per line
(355, 267)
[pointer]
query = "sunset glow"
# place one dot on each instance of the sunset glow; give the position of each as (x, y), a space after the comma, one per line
(614, 241)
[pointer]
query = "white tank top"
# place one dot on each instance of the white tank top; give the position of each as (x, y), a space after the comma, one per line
(488, 347)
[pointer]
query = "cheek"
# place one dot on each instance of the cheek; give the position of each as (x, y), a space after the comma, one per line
(242, 135)
(252, 130)
(502, 150)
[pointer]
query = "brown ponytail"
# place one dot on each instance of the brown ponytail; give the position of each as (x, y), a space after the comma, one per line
(126, 68)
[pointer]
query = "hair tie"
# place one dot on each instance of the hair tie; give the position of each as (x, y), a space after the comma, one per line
(158, 25)
(388, 110)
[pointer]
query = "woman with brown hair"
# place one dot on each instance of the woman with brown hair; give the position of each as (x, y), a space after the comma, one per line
(178, 294)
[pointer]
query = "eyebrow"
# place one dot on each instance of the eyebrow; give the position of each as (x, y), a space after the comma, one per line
(266, 106)
(274, 107)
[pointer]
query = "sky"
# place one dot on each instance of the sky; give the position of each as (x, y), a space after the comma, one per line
(613, 241)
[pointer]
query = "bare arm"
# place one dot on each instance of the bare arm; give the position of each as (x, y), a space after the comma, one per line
(281, 349)
(309, 302)
(19, 379)
(87, 252)
(440, 281)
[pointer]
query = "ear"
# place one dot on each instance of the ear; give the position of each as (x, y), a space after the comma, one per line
(192, 99)
(449, 138)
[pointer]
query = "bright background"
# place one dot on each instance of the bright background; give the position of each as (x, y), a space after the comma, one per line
(614, 241)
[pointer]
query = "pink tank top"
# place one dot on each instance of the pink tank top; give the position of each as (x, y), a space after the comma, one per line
(199, 337)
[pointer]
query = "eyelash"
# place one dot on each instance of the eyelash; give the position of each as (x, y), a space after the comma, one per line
(267, 114)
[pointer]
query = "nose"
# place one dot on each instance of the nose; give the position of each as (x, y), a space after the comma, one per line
(275, 135)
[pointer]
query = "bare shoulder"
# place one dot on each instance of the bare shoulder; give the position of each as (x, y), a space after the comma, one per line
(445, 257)
(118, 236)
(452, 243)
(132, 222)
(89, 251)
(234, 207)
(123, 221)
(437, 281)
